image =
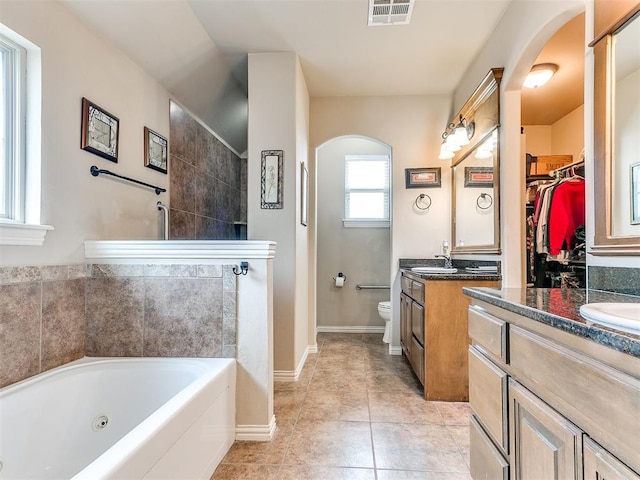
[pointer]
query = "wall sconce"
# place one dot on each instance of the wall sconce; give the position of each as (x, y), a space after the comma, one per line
(455, 137)
(540, 74)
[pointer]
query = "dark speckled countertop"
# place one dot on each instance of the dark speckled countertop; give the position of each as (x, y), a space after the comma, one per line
(406, 264)
(560, 308)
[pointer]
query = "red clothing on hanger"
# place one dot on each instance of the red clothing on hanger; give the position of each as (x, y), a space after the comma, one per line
(567, 212)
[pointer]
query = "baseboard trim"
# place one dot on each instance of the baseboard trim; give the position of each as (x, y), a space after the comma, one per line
(395, 350)
(293, 375)
(257, 433)
(312, 348)
(355, 329)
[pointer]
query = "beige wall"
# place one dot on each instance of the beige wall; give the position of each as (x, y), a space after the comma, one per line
(76, 62)
(564, 137)
(362, 254)
(277, 121)
(411, 125)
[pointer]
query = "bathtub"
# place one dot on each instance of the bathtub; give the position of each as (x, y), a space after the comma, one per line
(119, 418)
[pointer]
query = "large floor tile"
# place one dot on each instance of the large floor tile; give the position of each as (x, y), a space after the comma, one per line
(402, 408)
(288, 403)
(416, 447)
(413, 475)
(454, 413)
(305, 472)
(246, 472)
(338, 380)
(335, 444)
(377, 382)
(350, 405)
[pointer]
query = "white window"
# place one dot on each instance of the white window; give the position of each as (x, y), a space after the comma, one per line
(366, 189)
(20, 141)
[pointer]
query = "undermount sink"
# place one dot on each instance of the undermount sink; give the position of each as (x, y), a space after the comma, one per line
(434, 270)
(623, 316)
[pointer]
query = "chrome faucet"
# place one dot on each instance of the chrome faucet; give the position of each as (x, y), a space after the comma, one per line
(165, 219)
(448, 263)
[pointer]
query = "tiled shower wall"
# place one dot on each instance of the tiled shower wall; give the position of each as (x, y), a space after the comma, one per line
(208, 183)
(52, 315)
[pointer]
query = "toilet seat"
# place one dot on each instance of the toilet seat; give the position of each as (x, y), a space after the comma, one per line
(385, 305)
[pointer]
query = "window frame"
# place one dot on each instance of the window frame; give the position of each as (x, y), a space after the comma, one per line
(352, 222)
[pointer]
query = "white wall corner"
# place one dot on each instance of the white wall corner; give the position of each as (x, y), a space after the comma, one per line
(293, 375)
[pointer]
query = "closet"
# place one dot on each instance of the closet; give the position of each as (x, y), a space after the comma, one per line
(555, 224)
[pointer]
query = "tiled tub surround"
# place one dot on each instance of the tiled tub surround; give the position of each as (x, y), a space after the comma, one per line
(51, 315)
(161, 310)
(42, 319)
(560, 308)
(208, 193)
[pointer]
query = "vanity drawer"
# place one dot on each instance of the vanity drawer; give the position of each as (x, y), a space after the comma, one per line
(488, 331)
(417, 292)
(488, 387)
(486, 461)
(600, 464)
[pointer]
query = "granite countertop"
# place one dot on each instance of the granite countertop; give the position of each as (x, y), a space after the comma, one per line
(462, 274)
(560, 308)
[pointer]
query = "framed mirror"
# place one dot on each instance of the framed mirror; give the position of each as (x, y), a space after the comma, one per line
(616, 137)
(475, 227)
(475, 219)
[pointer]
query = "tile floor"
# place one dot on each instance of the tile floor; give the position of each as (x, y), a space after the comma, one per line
(356, 413)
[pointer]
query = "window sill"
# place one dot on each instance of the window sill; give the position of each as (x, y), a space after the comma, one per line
(366, 223)
(23, 234)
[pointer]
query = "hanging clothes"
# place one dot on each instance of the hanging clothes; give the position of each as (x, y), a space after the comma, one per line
(566, 214)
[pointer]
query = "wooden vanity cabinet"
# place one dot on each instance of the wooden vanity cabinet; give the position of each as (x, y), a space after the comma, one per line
(434, 338)
(548, 404)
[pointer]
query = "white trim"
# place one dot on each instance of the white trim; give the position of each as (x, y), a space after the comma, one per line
(23, 234)
(395, 350)
(366, 223)
(312, 348)
(257, 433)
(353, 329)
(292, 375)
(178, 249)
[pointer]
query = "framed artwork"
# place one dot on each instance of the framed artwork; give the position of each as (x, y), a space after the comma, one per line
(155, 151)
(271, 188)
(481, 177)
(422, 177)
(635, 194)
(99, 131)
(304, 194)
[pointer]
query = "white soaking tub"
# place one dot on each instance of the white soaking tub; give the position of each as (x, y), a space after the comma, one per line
(119, 418)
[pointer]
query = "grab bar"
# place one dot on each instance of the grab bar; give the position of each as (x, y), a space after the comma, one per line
(95, 171)
(372, 287)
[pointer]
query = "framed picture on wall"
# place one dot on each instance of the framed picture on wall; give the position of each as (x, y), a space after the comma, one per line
(422, 177)
(156, 151)
(100, 130)
(271, 185)
(304, 194)
(481, 177)
(635, 194)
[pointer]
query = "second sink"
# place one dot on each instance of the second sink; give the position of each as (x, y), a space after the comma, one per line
(434, 270)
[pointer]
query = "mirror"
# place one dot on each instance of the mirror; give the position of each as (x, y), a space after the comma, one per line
(476, 198)
(617, 142)
(475, 219)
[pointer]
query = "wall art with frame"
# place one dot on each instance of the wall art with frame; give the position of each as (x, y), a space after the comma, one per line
(422, 177)
(156, 151)
(272, 177)
(480, 177)
(100, 131)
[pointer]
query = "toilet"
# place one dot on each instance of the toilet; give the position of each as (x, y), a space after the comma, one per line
(384, 310)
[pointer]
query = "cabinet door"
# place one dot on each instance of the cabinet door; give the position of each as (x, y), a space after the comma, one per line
(405, 324)
(417, 359)
(544, 444)
(417, 322)
(486, 460)
(601, 465)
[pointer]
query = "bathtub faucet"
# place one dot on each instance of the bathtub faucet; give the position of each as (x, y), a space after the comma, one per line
(165, 219)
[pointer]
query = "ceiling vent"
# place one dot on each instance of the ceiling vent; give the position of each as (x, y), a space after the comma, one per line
(390, 12)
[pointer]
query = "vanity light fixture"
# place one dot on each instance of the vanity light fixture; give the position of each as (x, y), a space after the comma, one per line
(540, 74)
(455, 137)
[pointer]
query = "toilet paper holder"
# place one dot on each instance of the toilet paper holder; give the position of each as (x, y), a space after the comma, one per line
(340, 274)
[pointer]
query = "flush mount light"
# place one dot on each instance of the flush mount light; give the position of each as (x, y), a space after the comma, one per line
(540, 74)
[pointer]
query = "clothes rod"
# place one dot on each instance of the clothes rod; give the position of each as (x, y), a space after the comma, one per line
(372, 287)
(566, 167)
(95, 171)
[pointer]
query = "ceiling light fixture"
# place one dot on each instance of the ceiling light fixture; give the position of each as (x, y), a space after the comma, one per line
(540, 74)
